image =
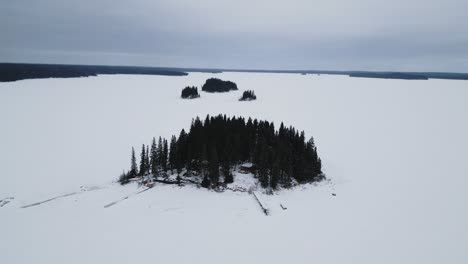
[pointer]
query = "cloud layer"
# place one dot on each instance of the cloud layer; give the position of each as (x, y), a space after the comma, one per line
(429, 35)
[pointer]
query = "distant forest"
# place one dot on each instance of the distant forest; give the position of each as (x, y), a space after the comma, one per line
(21, 71)
(212, 148)
(215, 85)
(10, 72)
(390, 75)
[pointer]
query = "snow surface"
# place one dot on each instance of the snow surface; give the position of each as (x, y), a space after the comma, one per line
(395, 152)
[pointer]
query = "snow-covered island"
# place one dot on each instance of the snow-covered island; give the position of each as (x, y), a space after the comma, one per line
(190, 92)
(215, 85)
(211, 150)
(248, 95)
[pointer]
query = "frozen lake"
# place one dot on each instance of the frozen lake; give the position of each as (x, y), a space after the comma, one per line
(395, 151)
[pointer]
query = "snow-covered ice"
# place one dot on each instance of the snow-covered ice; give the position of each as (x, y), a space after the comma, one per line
(395, 152)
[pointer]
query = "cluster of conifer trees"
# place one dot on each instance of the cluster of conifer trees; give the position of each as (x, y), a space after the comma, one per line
(190, 92)
(215, 85)
(213, 147)
(248, 96)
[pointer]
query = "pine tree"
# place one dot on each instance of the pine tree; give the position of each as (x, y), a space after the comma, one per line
(143, 161)
(160, 153)
(262, 163)
(181, 147)
(205, 182)
(147, 161)
(203, 161)
(226, 169)
(165, 155)
(319, 166)
(263, 175)
(124, 178)
(226, 163)
(154, 158)
(172, 153)
(133, 169)
(214, 166)
(274, 175)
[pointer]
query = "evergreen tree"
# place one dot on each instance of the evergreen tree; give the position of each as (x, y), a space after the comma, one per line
(147, 161)
(274, 177)
(263, 176)
(226, 163)
(165, 155)
(172, 153)
(178, 179)
(181, 146)
(124, 178)
(154, 158)
(133, 167)
(214, 166)
(206, 182)
(143, 161)
(203, 161)
(226, 169)
(160, 153)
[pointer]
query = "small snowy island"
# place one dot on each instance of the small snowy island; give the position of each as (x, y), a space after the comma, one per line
(248, 95)
(190, 92)
(212, 150)
(215, 85)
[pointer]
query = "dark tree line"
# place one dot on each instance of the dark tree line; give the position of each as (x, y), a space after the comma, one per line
(10, 72)
(215, 85)
(213, 147)
(248, 96)
(190, 92)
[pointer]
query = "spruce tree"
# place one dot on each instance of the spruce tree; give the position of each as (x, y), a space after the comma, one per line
(274, 175)
(133, 167)
(226, 169)
(165, 155)
(226, 163)
(179, 162)
(203, 161)
(143, 161)
(181, 147)
(172, 154)
(262, 164)
(205, 182)
(124, 178)
(154, 158)
(147, 161)
(214, 166)
(160, 153)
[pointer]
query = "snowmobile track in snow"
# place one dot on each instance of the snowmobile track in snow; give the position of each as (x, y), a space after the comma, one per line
(125, 198)
(6, 201)
(62, 196)
(49, 200)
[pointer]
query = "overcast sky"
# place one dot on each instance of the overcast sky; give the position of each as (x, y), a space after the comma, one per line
(415, 35)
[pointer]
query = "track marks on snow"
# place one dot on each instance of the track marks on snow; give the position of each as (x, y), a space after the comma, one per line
(125, 198)
(49, 200)
(6, 201)
(82, 190)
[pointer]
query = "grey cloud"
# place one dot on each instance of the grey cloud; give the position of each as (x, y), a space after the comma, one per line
(368, 35)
